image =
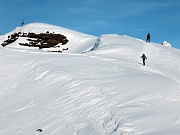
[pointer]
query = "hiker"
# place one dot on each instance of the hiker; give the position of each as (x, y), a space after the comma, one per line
(22, 23)
(148, 38)
(143, 58)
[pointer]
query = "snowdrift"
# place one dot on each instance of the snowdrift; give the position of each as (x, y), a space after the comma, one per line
(166, 44)
(106, 91)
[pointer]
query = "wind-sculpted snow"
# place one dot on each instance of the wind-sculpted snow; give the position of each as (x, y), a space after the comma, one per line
(96, 45)
(102, 92)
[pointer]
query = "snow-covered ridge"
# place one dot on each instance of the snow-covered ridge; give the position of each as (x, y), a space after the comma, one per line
(78, 42)
(106, 91)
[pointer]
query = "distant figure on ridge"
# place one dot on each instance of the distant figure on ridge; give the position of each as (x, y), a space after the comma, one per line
(148, 38)
(143, 58)
(22, 23)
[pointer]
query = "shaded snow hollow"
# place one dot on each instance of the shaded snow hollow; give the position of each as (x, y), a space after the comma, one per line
(102, 92)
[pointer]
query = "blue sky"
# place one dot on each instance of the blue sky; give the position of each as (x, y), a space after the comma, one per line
(135, 18)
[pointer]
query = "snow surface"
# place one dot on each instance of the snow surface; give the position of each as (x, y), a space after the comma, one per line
(78, 42)
(166, 44)
(106, 91)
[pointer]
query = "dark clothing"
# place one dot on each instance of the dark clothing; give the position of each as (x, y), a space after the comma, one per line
(144, 58)
(148, 38)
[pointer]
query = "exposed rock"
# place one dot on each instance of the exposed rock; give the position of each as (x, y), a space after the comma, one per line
(42, 40)
(39, 130)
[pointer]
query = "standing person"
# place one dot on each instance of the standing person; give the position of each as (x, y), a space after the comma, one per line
(22, 23)
(148, 38)
(143, 58)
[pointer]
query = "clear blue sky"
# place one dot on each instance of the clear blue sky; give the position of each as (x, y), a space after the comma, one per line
(136, 18)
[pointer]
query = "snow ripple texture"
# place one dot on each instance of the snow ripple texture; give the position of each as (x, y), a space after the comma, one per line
(102, 92)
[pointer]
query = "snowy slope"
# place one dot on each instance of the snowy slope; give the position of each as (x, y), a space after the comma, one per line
(101, 92)
(78, 42)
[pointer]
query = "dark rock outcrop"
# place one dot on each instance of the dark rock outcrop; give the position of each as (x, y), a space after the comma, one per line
(42, 40)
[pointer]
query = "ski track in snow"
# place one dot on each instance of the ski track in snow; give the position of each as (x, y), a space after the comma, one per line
(150, 49)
